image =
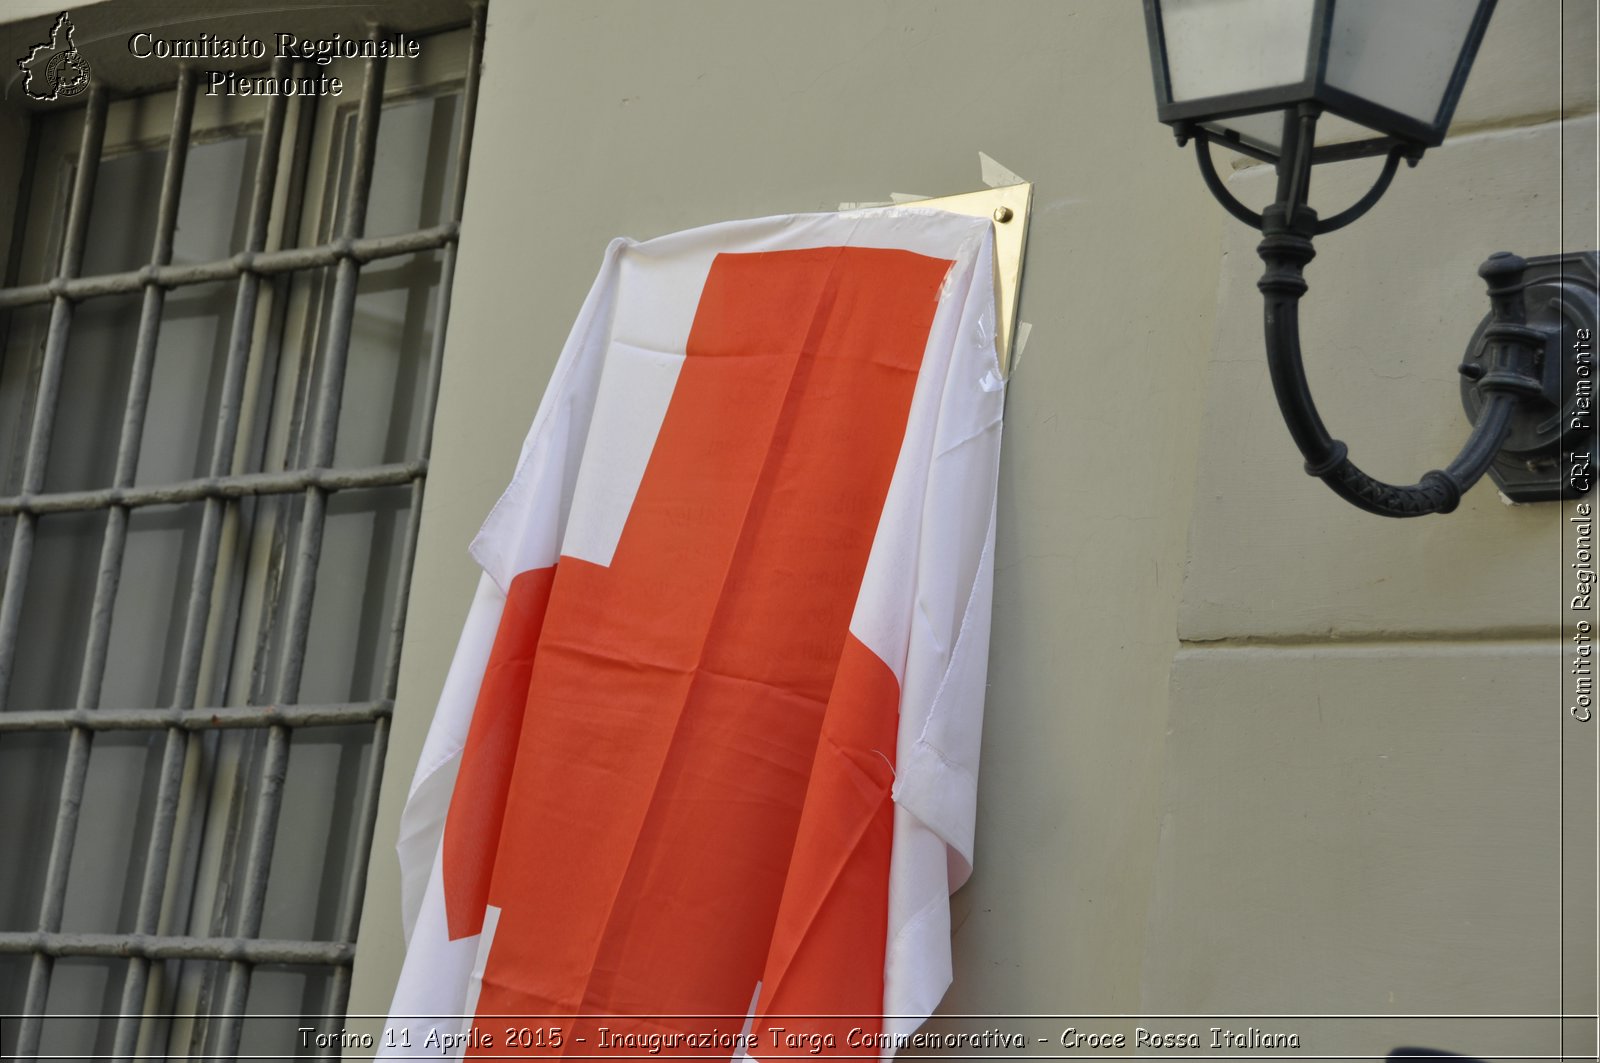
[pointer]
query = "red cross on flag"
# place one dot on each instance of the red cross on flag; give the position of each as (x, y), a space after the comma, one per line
(705, 763)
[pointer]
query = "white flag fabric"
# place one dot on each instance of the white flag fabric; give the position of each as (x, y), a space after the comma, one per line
(703, 772)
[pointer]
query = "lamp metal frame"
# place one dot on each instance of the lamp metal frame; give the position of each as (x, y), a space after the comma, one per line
(1398, 130)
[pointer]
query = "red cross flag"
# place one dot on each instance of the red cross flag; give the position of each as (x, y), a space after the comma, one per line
(702, 775)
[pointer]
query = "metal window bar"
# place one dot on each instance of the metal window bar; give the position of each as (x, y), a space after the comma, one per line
(244, 949)
(110, 569)
(367, 811)
(239, 485)
(38, 453)
(49, 388)
(263, 264)
(308, 553)
(222, 718)
(224, 443)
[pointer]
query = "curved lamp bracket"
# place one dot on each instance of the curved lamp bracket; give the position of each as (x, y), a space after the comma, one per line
(1528, 377)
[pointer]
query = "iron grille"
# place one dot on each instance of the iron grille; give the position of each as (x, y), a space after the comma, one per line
(314, 479)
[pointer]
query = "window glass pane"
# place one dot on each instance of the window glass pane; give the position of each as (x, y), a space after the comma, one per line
(94, 388)
(30, 781)
(389, 344)
(152, 601)
(357, 586)
(50, 644)
(122, 217)
(118, 798)
(13, 982)
(415, 163)
(21, 344)
(82, 985)
(282, 990)
(327, 771)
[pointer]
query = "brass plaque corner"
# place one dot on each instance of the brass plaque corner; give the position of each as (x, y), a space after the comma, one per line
(1008, 209)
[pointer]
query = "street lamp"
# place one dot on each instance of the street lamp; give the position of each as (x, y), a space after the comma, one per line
(1256, 76)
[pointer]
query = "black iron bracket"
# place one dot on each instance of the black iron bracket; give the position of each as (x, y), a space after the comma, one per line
(1527, 380)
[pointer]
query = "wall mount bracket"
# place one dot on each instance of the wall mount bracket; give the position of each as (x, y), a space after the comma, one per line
(1549, 450)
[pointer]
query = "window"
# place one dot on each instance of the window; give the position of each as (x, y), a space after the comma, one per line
(221, 327)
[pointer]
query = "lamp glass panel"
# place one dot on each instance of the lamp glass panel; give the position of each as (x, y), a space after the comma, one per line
(1400, 55)
(1264, 131)
(1219, 47)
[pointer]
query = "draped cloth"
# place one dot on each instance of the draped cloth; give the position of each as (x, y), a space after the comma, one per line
(702, 775)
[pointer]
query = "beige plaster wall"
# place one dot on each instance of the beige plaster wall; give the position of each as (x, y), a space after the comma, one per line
(1153, 516)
